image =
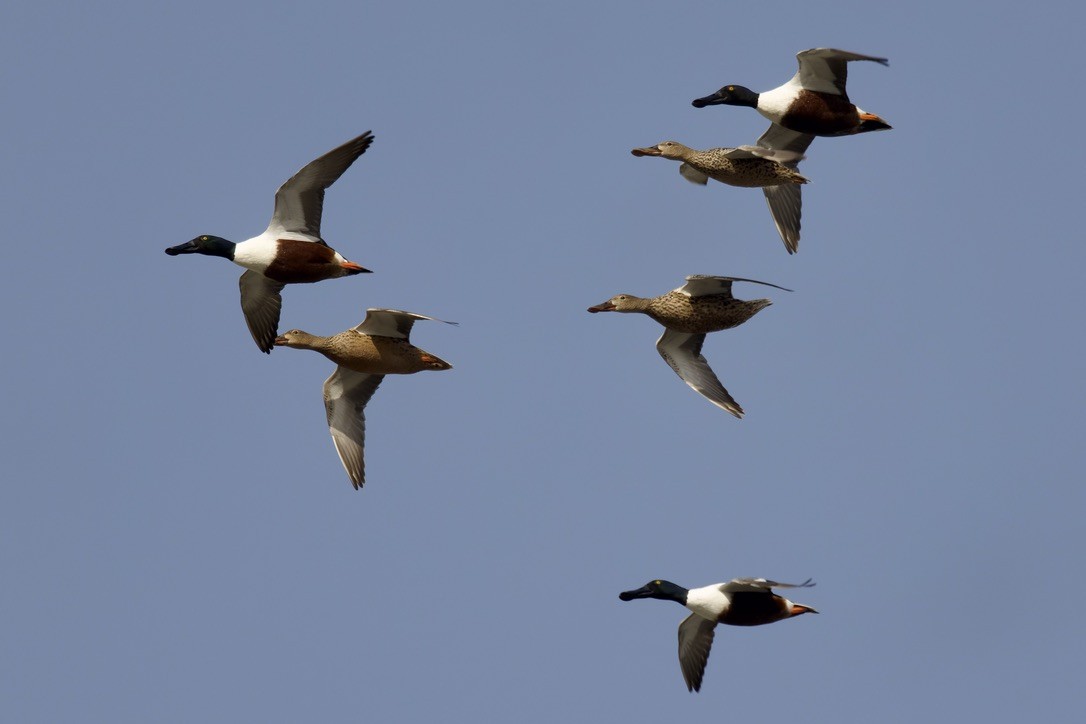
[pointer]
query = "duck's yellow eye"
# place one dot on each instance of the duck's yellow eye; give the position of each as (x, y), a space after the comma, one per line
(731, 88)
(203, 238)
(657, 582)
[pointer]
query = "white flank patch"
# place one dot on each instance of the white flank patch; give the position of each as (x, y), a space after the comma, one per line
(774, 104)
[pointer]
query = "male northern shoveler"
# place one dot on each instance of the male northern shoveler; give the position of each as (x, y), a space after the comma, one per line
(813, 102)
(377, 347)
(291, 250)
(704, 304)
(773, 165)
(739, 602)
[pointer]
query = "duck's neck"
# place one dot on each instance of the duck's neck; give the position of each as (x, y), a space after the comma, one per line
(636, 304)
(217, 246)
(668, 591)
(304, 340)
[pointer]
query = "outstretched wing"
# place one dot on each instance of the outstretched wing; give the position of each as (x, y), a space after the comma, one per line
(759, 585)
(346, 393)
(683, 352)
(261, 302)
(826, 69)
(700, 285)
(391, 323)
(299, 201)
(695, 641)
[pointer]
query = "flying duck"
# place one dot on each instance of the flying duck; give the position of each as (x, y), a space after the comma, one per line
(704, 304)
(772, 164)
(377, 347)
(739, 602)
(813, 102)
(291, 250)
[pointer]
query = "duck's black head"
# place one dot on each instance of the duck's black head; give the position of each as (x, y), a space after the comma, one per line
(209, 245)
(729, 95)
(663, 590)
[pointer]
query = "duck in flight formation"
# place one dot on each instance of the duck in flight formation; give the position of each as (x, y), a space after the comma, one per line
(290, 250)
(704, 304)
(379, 346)
(813, 102)
(739, 602)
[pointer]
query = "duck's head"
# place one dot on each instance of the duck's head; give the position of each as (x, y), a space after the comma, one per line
(729, 95)
(205, 244)
(618, 303)
(295, 338)
(663, 590)
(667, 149)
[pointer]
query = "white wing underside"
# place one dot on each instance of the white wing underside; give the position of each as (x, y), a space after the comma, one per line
(346, 393)
(683, 353)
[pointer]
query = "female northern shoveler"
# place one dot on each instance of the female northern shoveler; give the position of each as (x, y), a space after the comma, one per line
(739, 602)
(773, 165)
(704, 304)
(813, 102)
(291, 250)
(365, 354)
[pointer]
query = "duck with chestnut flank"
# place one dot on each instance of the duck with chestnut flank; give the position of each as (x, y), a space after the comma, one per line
(739, 602)
(704, 304)
(291, 250)
(379, 346)
(814, 101)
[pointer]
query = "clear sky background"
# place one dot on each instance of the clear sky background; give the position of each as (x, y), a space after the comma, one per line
(179, 542)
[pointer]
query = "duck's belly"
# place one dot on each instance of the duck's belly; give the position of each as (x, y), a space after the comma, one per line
(378, 356)
(820, 114)
(303, 262)
(755, 609)
(752, 173)
(704, 317)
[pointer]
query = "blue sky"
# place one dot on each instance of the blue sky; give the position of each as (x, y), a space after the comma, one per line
(179, 542)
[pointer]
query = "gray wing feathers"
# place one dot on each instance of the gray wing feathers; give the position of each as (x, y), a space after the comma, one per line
(260, 303)
(683, 352)
(786, 201)
(760, 584)
(700, 285)
(391, 322)
(780, 138)
(346, 393)
(819, 66)
(786, 207)
(299, 201)
(695, 641)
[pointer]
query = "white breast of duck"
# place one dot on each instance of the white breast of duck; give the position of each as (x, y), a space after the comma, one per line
(709, 602)
(775, 103)
(257, 253)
